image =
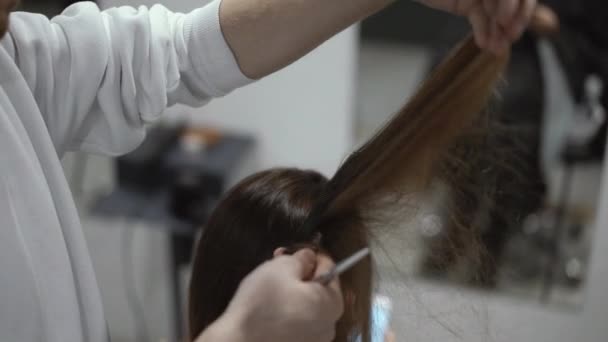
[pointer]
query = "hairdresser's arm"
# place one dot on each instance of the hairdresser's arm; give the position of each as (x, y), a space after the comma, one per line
(266, 35)
(278, 302)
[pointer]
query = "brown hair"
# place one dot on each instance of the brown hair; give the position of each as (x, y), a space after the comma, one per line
(287, 207)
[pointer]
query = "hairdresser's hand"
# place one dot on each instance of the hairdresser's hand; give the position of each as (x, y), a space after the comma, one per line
(278, 302)
(496, 23)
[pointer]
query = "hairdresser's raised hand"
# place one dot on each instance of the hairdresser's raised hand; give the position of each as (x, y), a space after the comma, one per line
(546, 21)
(496, 23)
(278, 302)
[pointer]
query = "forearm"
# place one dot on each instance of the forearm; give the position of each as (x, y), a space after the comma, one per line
(267, 35)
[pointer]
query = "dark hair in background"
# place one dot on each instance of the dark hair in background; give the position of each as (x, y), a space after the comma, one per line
(288, 207)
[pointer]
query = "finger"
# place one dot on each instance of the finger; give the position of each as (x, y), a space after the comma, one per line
(522, 20)
(279, 252)
(506, 11)
(544, 20)
(390, 336)
(324, 264)
(460, 7)
(304, 263)
(494, 37)
(480, 24)
(332, 295)
(499, 41)
(490, 7)
(329, 335)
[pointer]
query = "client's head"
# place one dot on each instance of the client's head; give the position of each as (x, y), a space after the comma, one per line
(263, 217)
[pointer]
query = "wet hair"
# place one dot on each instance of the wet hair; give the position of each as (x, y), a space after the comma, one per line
(293, 208)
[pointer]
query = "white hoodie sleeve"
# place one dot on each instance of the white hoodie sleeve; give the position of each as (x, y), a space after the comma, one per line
(100, 77)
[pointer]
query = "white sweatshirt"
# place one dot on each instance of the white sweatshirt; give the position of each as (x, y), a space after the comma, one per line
(88, 81)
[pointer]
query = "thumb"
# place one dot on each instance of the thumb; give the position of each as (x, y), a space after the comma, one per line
(305, 262)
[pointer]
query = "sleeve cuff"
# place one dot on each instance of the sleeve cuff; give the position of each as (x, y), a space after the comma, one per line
(209, 52)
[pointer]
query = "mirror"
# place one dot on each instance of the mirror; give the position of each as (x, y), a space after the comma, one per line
(526, 222)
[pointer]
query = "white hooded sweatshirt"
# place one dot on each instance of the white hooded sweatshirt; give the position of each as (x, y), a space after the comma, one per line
(90, 81)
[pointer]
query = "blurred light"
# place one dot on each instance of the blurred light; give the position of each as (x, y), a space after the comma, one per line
(574, 269)
(431, 225)
(532, 224)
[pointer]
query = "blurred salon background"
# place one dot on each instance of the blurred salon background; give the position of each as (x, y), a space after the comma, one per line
(544, 273)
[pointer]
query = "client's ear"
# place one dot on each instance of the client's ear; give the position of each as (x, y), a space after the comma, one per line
(279, 252)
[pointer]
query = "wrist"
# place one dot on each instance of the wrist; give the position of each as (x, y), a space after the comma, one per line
(225, 329)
